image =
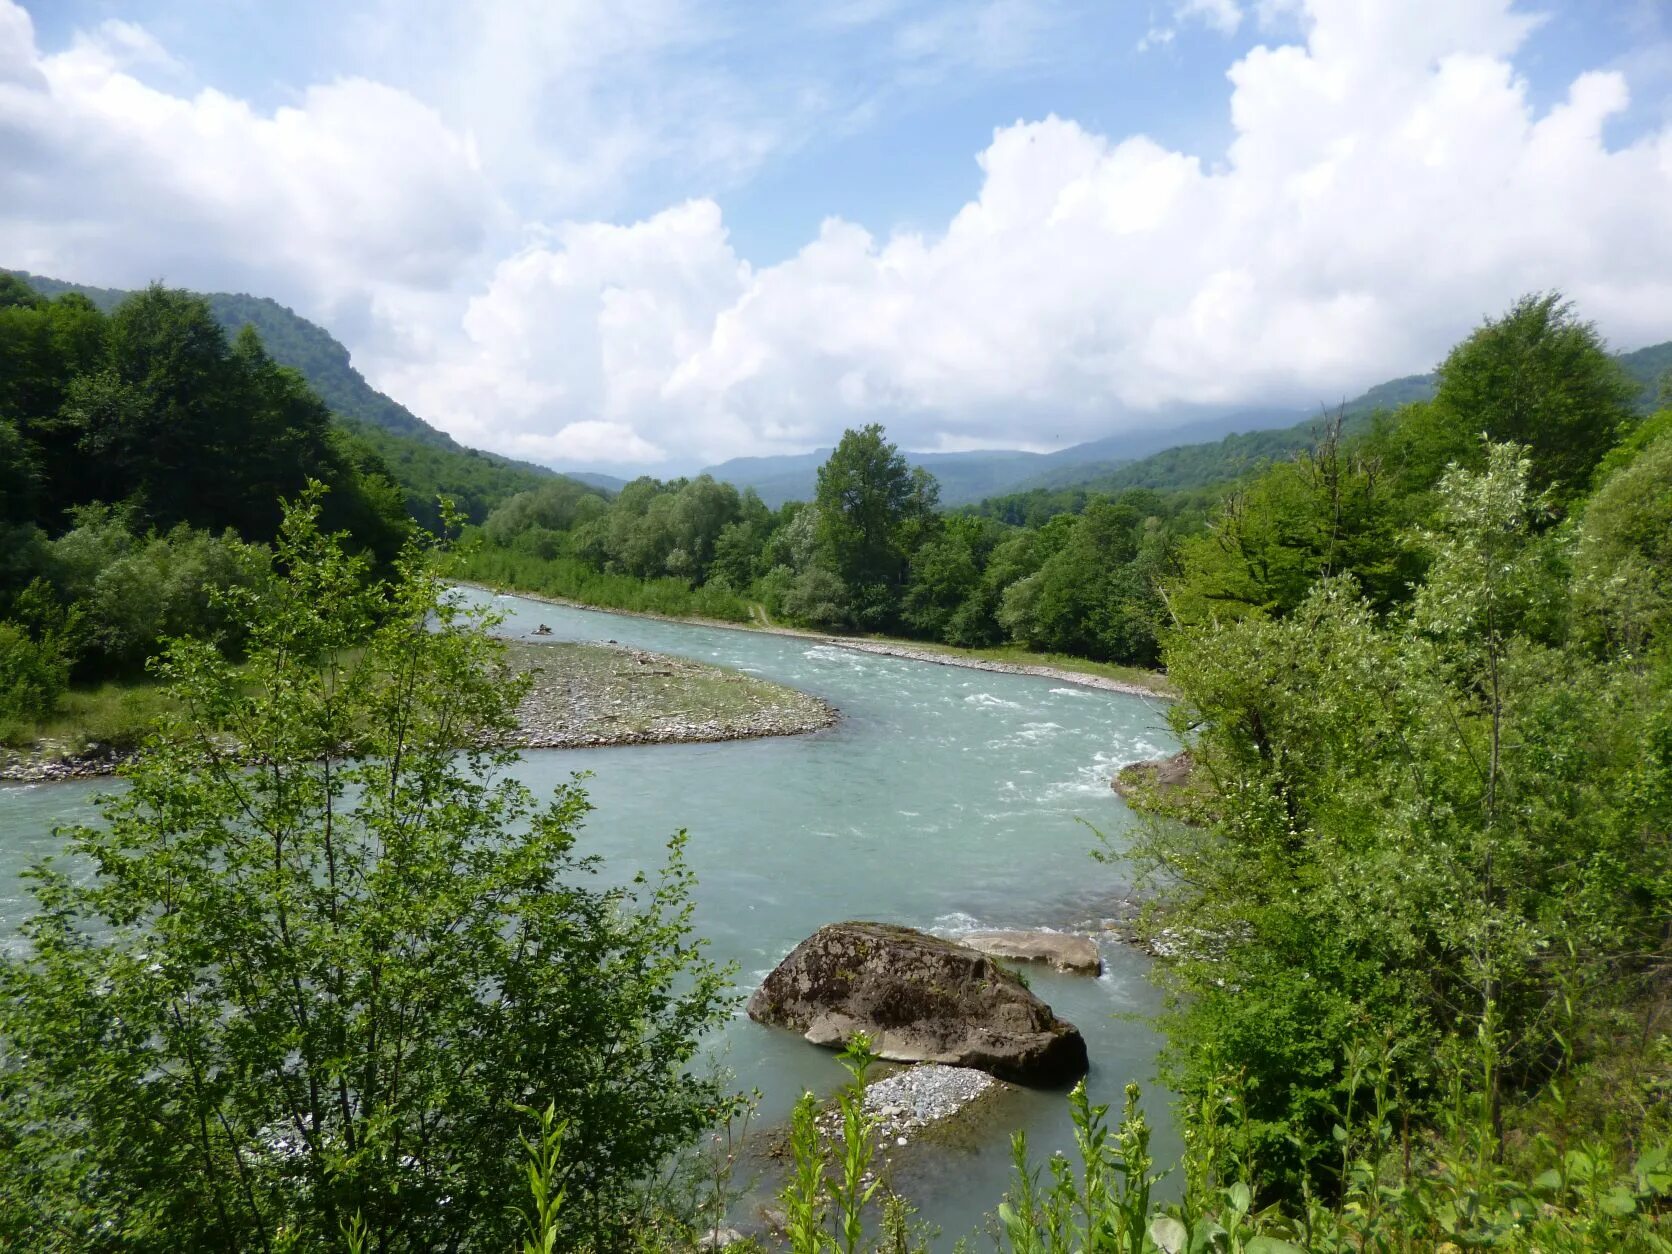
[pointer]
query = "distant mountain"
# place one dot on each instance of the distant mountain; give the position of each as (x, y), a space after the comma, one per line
(973, 476)
(1652, 367)
(592, 479)
(1171, 454)
(963, 477)
(1199, 465)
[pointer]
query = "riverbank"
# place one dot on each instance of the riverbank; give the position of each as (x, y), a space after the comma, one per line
(582, 696)
(93, 730)
(1131, 681)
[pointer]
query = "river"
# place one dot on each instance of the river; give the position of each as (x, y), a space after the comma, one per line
(945, 799)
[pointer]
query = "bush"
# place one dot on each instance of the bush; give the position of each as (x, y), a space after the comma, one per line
(33, 674)
(134, 592)
(319, 996)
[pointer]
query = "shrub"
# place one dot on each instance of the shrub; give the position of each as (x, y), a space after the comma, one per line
(33, 674)
(307, 991)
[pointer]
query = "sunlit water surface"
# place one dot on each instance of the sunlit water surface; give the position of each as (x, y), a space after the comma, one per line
(945, 799)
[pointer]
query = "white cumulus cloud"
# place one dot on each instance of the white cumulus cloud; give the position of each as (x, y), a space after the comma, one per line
(1389, 183)
(353, 188)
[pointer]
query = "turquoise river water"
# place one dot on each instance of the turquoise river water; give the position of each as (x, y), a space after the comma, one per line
(945, 799)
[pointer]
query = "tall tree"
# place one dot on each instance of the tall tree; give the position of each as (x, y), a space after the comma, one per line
(158, 418)
(1541, 378)
(872, 504)
(1330, 510)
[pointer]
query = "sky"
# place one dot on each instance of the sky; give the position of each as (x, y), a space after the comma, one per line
(655, 234)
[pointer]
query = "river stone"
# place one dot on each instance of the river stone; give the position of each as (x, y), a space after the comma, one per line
(1166, 776)
(1063, 950)
(920, 999)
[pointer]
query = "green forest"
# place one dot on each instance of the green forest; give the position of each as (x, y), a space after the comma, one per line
(144, 455)
(1417, 900)
(1076, 571)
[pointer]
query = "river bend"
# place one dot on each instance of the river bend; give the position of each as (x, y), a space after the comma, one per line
(946, 799)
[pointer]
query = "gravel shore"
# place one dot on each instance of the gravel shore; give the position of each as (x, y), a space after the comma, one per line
(50, 763)
(592, 695)
(583, 696)
(916, 1098)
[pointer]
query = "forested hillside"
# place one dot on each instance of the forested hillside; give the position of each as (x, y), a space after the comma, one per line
(143, 460)
(426, 462)
(292, 341)
(144, 456)
(1205, 464)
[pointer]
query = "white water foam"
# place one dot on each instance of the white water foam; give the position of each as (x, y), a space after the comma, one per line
(1139, 751)
(851, 658)
(1091, 780)
(1033, 733)
(1071, 692)
(992, 702)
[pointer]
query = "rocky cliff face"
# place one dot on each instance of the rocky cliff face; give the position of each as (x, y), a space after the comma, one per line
(920, 999)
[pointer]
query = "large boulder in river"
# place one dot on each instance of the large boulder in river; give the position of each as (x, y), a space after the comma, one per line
(1063, 950)
(920, 999)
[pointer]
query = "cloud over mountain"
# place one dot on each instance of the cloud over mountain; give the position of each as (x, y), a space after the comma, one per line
(1390, 179)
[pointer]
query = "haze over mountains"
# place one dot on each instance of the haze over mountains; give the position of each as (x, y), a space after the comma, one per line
(1167, 455)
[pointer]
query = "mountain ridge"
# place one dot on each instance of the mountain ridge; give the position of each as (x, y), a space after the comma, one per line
(305, 346)
(426, 462)
(1151, 458)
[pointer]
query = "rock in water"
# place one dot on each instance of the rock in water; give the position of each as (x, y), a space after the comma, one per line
(1166, 777)
(920, 999)
(1063, 950)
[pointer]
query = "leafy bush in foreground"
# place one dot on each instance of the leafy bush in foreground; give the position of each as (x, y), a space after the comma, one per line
(331, 954)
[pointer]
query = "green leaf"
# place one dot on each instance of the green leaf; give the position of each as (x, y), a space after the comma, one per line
(1239, 1197)
(1171, 1235)
(1619, 1201)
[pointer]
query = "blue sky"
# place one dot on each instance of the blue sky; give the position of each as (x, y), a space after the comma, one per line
(652, 232)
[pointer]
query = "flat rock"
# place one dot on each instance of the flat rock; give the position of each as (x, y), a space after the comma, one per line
(920, 999)
(1063, 950)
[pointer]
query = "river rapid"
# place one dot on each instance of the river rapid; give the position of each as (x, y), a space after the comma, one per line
(946, 799)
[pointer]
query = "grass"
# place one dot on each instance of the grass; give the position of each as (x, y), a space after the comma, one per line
(117, 713)
(573, 580)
